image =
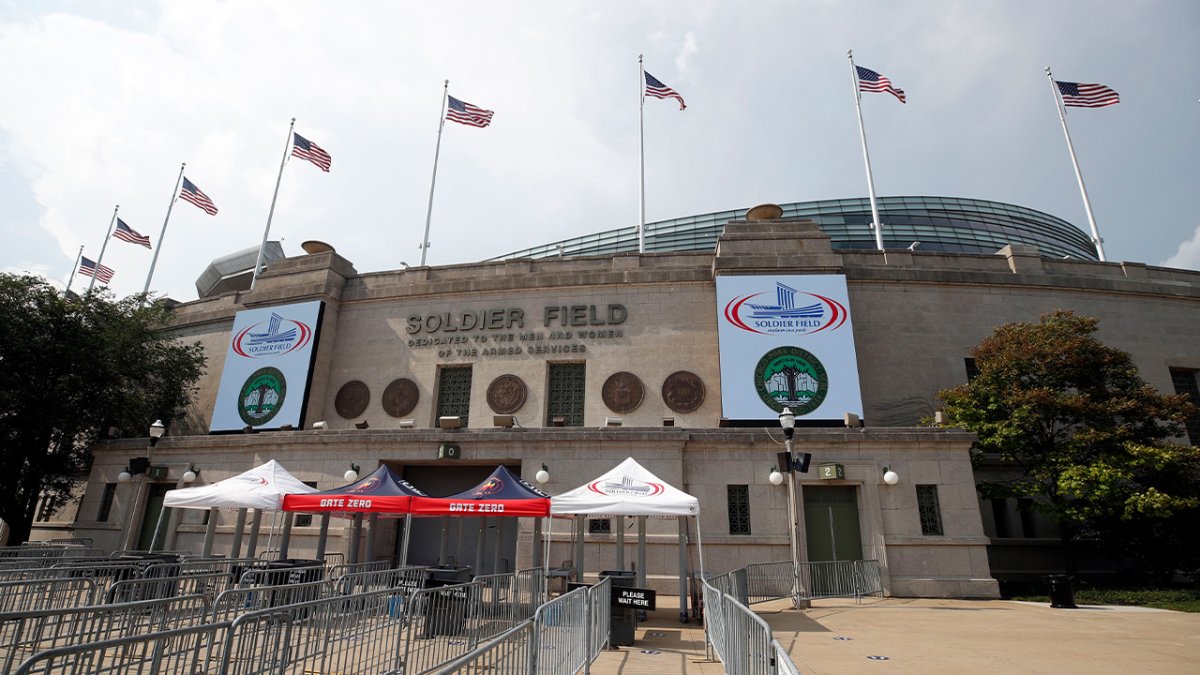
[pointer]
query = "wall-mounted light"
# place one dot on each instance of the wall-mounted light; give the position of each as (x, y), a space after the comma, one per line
(668, 421)
(351, 474)
(407, 423)
(775, 477)
(851, 420)
(890, 477)
(190, 476)
(124, 476)
(613, 421)
(504, 421)
(939, 418)
(156, 432)
(559, 421)
(543, 474)
(362, 424)
(318, 426)
(450, 422)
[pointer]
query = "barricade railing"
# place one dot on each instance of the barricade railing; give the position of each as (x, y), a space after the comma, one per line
(783, 660)
(505, 654)
(24, 633)
(209, 585)
(410, 579)
(869, 576)
(599, 619)
(340, 570)
(349, 635)
(768, 581)
(51, 593)
(180, 651)
(440, 625)
(251, 598)
(530, 590)
(760, 582)
(738, 637)
(560, 638)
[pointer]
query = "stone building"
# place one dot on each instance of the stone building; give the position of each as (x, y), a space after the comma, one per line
(592, 359)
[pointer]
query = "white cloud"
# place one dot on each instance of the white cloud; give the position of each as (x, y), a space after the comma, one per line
(1187, 256)
(686, 52)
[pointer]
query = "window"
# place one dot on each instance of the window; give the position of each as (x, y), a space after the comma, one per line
(739, 508)
(930, 511)
(305, 519)
(599, 526)
(1000, 517)
(106, 501)
(1184, 380)
(565, 394)
(454, 392)
(972, 369)
(1025, 510)
(44, 510)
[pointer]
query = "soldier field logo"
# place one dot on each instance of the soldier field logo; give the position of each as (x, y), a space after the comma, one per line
(791, 377)
(793, 312)
(262, 396)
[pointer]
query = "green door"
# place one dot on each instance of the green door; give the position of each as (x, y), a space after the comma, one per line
(154, 506)
(831, 522)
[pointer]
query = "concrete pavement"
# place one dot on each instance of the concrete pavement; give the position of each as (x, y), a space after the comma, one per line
(900, 635)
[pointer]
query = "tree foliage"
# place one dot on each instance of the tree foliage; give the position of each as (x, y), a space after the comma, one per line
(1071, 423)
(71, 369)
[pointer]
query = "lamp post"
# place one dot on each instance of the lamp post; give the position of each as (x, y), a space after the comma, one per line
(787, 420)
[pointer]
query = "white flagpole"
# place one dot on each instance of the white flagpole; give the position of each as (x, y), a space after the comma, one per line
(103, 246)
(642, 154)
(862, 132)
(287, 149)
(73, 268)
(158, 246)
(1087, 204)
(437, 151)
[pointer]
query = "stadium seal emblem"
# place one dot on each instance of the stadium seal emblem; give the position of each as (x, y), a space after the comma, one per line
(790, 377)
(262, 396)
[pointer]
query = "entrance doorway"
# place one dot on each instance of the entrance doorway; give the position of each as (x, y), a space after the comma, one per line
(154, 506)
(831, 522)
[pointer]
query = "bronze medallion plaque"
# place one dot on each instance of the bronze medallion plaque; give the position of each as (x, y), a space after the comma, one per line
(683, 392)
(400, 397)
(623, 392)
(506, 394)
(352, 399)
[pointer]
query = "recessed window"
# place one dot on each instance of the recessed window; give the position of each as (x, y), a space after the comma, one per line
(1184, 380)
(106, 502)
(972, 369)
(599, 526)
(929, 509)
(738, 497)
(305, 519)
(564, 395)
(454, 392)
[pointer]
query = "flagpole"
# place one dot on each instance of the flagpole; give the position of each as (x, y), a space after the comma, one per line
(73, 268)
(1087, 204)
(862, 132)
(642, 154)
(437, 151)
(271, 214)
(102, 247)
(158, 247)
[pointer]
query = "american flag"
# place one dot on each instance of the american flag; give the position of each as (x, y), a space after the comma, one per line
(192, 194)
(89, 268)
(869, 80)
(465, 113)
(659, 90)
(1082, 95)
(126, 233)
(306, 149)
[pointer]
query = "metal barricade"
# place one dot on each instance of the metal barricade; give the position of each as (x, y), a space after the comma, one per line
(208, 585)
(440, 625)
(235, 601)
(869, 578)
(560, 641)
(831, 579)
(48, 593)
(739, 637)
(599, 617)
(769, 581)
(530, 591)
(783, 660)
(505, 654)
(181, 651)
(341, 570)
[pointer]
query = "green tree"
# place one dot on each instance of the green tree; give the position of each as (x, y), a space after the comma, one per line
(71, 368)
(1069, 422)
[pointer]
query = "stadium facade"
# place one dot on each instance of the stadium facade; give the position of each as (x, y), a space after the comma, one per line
(681, 359)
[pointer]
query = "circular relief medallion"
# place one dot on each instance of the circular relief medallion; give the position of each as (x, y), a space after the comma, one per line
(262, 396)
(623, 392)
(400, 397)
(683, 392)
(506, 394)
(352, 399)
(791, 377)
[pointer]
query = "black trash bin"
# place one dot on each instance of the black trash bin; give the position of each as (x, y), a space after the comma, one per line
(1061, 593)
(623, 620)
(446, 609)
(164, 566)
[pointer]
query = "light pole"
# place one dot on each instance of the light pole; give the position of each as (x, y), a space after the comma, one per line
(787, 420)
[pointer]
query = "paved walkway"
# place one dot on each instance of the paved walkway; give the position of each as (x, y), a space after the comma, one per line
(934, 636)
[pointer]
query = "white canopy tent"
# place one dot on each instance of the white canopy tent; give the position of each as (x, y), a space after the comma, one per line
(629, 489)
(261, 488)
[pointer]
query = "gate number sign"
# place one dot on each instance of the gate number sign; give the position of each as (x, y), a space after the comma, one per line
(638, 598)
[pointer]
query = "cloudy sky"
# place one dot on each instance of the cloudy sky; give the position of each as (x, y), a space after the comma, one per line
(103, 100)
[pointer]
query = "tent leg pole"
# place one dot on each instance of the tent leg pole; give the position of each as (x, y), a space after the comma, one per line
(323, 538)
(209, 533)
(255, 526)
(271, 532)
(285, 537)
(641, 551)
(538, 541)
(549, 538)
(235, 549)
(445, 540)
(404, 546)
(619, 521)
(499, 545)
(157, 526)
(580, 524)
(480, 542)
(683, 565)
(355, 536)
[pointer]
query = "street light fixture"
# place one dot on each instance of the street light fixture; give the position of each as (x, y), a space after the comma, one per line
(787, 420)
(351, 474)
(775, 477)
(543, 474)
(890, 477)
(156, 432)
